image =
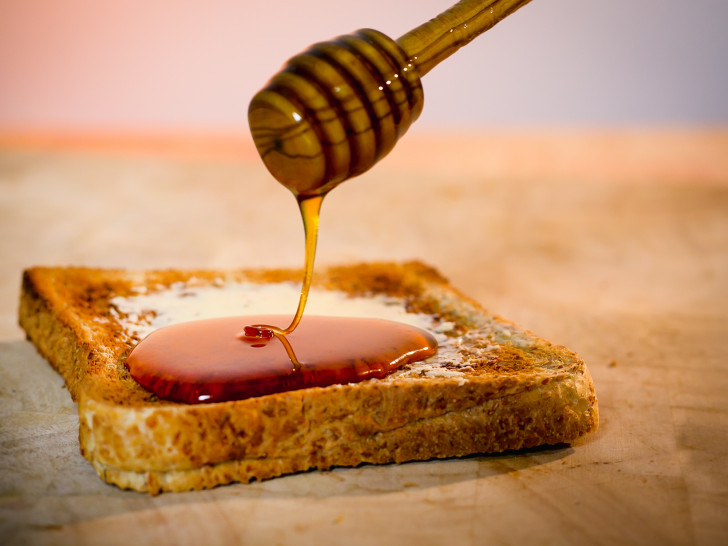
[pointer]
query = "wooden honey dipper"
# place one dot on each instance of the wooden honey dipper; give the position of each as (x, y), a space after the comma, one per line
(340, 106)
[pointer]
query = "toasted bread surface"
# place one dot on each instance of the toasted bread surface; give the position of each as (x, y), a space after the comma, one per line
(492, 387)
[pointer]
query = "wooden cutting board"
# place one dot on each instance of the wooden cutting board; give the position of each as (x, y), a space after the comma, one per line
(613, 244)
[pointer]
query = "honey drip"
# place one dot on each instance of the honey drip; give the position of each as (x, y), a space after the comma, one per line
(310, 208)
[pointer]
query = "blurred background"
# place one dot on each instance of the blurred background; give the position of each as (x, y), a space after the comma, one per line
(569, 172)
(182, 65)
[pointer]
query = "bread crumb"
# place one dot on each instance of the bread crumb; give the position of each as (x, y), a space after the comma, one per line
(613, 364)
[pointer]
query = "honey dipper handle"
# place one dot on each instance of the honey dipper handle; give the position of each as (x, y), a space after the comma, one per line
(437, 39)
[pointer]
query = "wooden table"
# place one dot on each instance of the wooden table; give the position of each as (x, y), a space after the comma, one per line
(614, 244)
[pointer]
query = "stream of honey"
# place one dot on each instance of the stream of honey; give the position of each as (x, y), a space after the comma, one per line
(233, 358)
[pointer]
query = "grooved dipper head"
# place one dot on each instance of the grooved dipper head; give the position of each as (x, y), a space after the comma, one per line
(335, 110)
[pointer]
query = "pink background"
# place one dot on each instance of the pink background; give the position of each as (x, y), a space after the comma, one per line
(169, 65)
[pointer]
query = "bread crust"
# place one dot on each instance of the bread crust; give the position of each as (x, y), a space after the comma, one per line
(533, 393)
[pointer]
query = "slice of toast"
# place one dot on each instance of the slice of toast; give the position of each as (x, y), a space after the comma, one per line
(491, 387)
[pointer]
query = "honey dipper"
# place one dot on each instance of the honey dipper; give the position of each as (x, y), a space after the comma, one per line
(340, 106)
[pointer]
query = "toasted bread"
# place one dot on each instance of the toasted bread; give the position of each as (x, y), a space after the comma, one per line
(492, 386)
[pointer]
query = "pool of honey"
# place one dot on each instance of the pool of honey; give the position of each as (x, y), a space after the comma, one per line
(214, 361)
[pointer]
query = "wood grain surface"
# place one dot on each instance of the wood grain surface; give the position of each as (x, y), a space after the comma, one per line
(614, 244)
